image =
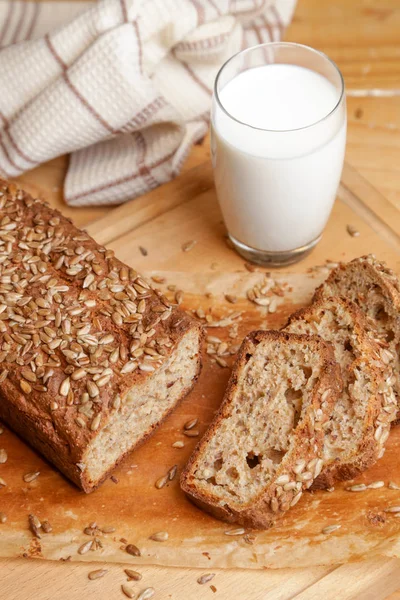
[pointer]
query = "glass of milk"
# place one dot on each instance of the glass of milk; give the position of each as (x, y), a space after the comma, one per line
(278, 135)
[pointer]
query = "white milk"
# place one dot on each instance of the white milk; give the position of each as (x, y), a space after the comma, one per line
(276, 185)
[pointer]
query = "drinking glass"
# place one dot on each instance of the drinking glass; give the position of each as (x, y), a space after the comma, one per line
(276, 185)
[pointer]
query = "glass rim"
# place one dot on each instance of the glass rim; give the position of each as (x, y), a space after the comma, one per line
(275, 44)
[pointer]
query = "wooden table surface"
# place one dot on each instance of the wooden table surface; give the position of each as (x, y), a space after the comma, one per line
(363, 37)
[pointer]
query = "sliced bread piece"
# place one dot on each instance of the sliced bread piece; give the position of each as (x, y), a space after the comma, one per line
(360, 420)
(263, 447)
(376, 290)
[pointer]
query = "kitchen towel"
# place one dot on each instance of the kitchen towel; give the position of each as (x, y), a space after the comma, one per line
(124, 86)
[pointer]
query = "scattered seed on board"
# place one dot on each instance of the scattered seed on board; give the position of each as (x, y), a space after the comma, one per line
(352, 231)
(330, 529)
(34, 525)
(187, 246)
(3, 456)
(205, 578)
(178, 444)
(393, 486)
(179, 296)
(108, 529)
(375, 485)
(360, 487)
(160, 536)
(47, 528)
(128, 591)
(231, 298)
(3, 517)
(146, 594)
(162, 481)
(133, 574)
(191, 433)
(132, 550)
(239, 531)
(393, 509)
(172, 472)
(28, 477)
(97, 574)
(143, 251)
(84, 548)
(190, 424)
(221, 362)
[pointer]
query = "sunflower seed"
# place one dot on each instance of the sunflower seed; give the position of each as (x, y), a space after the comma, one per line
(92, 389)
(160, 536)
(231, 298)
(205, 578)
(239, 531)
(28, 477)
(64, 387)
(3, 517)
(162, 481)
(172, 472)
(3, 456)
(25, 387)
(133, 550)
(352, 231)
(221, 362)
(78, 374)
(330, 529)
(34, 525)
(108, 529)
(84, 548)
(2, 483)
(375, 485)
(360, 487)
(178, 444)
(47, 528)
(190, 424)
(393, 509)
(282, 479)
(133, 574)
(191, 433)
(143, 251)
(96, 422)
(393, 486)
(187, 246)
(97, 574)
(179, 297)
(146, 594)
(128, 591)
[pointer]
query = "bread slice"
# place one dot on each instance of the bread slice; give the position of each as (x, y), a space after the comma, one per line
(264, 446)
(360, 420)
(92, 359)
(376, 290)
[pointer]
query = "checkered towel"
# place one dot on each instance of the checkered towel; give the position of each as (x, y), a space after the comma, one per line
(122, 85)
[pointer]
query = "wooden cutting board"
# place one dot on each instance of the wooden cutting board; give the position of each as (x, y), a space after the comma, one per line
(133, 505)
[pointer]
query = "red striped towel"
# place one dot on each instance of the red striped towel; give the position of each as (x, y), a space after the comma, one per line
(122, 85)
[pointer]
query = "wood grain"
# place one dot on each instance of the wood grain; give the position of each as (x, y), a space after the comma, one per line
(362, 36)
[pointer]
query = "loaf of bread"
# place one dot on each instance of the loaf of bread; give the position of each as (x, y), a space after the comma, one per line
(264, 446)
(376, 290)
(91, 358)
(359, 425)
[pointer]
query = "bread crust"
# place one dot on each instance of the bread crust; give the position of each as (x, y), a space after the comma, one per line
(367, 270)
(108, 294)
(367, 361)
(266, 509)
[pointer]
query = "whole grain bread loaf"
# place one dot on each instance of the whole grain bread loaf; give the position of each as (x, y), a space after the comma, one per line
(360, 421)
(264, 447)
(376, 290)
(91, 358)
